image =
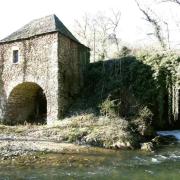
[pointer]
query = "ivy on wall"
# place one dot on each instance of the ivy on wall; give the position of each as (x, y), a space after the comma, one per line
(129, 84)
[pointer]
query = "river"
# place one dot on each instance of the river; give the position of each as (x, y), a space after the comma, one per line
(163, 164)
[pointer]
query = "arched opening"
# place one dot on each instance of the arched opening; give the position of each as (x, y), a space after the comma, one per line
(26, 103)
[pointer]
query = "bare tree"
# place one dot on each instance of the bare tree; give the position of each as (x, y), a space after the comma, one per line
(174, 1)
(168, 34)
(115, 24)
(103, 29)
(155, 24)
(99, 33)
(83, 29)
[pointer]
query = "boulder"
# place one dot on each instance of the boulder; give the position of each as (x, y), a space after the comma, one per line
(148, 146)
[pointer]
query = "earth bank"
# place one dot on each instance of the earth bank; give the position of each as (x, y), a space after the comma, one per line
(73, 135)
(122, 105)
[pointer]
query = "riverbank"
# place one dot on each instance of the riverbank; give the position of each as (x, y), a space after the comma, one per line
(95, 163)
(72, 135)
(26, 144)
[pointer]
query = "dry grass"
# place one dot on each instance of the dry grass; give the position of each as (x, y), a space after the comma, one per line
(83, 129)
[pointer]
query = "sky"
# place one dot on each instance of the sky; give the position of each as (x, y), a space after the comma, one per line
(133, 28)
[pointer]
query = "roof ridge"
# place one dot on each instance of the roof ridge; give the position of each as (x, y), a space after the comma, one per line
(65, 31)
(43, 25)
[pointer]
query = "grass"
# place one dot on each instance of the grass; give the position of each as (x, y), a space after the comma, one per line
(86, 129)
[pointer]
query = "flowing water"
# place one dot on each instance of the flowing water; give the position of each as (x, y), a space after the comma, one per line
(101, 165)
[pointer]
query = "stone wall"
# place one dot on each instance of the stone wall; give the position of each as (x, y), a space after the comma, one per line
(73, 60)
(37, 63)
(52, 61)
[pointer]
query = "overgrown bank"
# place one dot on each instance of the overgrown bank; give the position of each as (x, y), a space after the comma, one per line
(66, 136)
(139, 92)
(143, 88)
(122, 105)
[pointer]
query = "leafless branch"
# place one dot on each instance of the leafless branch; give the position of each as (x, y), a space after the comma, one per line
(168, 36)
(115, 24)
(154, 23)
(99, 32)
(174, 1)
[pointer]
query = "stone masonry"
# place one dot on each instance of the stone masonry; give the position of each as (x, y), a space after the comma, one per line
(48, 56)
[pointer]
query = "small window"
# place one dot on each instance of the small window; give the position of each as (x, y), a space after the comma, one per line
(15, 56)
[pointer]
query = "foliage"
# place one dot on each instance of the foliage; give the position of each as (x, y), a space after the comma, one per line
(84, 129)
(143, 122)
(145, 114)
(121, 87)
(107, 108)
(125, 51)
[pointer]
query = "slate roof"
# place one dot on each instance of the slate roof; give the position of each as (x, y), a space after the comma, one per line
(40, 26)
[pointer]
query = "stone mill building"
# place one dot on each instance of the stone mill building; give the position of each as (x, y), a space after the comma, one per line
(42, 67)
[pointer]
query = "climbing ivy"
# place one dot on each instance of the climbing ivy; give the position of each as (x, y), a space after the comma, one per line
(126, 85)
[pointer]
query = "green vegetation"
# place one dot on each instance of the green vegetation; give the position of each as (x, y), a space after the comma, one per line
(84, 129)
(124, 101)
(137, 88)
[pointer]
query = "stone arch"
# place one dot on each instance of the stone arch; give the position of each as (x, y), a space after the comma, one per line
(26, 103)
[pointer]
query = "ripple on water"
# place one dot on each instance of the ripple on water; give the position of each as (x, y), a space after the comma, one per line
(150, 172)
(155, 160)
(174, 157)
(164, 164)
